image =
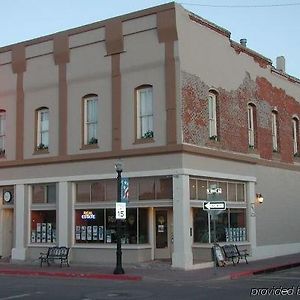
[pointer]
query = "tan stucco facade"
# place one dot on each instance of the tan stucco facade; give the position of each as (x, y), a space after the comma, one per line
(158, 47)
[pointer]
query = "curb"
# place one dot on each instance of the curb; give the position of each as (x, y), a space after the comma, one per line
(277, 268)
(71, 275)
(264, 270)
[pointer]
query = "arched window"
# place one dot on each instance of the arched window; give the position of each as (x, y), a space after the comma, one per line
(42, 128)
(275, 131)
(90, 119)
(2, 132)
(252, 128)
(144, 112)
(295, 130)
(212, 115)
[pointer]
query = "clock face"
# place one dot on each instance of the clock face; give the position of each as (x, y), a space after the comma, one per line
(7, 196)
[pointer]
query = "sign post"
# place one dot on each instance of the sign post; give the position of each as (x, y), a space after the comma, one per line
(214, 206)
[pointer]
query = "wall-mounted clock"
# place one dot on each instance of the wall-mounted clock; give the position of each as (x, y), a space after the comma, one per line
(7, 196)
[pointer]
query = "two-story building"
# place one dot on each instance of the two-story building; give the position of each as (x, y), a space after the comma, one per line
(183, 107)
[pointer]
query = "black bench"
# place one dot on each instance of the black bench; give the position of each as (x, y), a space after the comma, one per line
(55, 253)
(233, 253)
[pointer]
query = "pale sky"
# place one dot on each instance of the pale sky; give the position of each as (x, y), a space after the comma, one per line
(271, 31)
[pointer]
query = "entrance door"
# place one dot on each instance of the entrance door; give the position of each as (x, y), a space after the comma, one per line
(163, 233)
(7, 232)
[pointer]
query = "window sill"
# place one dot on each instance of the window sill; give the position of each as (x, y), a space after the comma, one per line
(253, 151)
(111, 246)
(296, 159)
(41, 245)
(209, 245)
(89, 146)
(213, 143)
(144, 141)
(40, 151)
(276, 156)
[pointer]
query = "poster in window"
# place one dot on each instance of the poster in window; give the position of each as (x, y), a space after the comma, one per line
(95, 233)
(38, 237)
(108, 236)
(227, 234)
(38, 227)
(100, 233)
(49, 232)
(44, 232)
(244, 234)
(77, 233)
(233, 235)
(53, 235)
(83, 233)
(33, 236)
(89, 233)
(38, 232)
(160, 228)
(241, 234)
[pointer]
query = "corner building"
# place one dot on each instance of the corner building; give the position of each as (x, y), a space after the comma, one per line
(183, 106)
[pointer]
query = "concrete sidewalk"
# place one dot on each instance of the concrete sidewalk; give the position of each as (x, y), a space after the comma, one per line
(154, 270)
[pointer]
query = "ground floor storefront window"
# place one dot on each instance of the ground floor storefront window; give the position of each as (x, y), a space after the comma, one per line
(230, 226)
(99, 226)
(43, 226)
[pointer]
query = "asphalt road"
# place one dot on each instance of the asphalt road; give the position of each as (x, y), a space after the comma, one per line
(278, 285)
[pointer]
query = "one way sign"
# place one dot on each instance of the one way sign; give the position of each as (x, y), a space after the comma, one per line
(214, 205)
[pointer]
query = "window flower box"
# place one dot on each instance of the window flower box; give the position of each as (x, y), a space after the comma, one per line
(93, 141)
(148, 135)
(213, 138)
(42, 146)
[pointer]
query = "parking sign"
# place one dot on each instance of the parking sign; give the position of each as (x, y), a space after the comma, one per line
(120, 211)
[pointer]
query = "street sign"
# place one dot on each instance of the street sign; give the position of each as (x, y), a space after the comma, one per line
(214, 205)
(120, 211)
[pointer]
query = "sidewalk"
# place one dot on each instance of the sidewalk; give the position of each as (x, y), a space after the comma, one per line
(155, 270)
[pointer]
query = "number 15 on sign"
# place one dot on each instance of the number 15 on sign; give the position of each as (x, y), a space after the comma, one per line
(120, 211)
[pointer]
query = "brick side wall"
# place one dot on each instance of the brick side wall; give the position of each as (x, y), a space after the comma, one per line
(232, 114)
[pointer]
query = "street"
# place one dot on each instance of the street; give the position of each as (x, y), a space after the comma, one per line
(278, 285)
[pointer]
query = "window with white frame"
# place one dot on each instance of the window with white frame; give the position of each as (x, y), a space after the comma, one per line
(42, 139)
(91, 119)
(144, 109)
(212, 115)
(2, 132)
(295, 123)
(231, 224)
(274, 131)
(251, 127)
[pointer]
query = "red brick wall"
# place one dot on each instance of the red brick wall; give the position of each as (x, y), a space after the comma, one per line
(232, 131)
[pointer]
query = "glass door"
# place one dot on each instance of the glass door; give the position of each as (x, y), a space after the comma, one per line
(162, 234)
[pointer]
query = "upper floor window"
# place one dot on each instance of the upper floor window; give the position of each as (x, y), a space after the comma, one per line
(295, 124)
(144, 109)
(2, 132)
(212, 115)
(275, 131)
(90, 120)
(251, 125)
(42, 138)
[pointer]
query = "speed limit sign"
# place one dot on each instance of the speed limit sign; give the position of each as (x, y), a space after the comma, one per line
(120, 211)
